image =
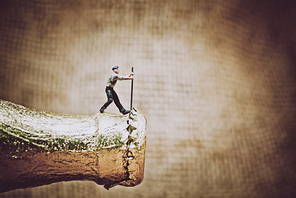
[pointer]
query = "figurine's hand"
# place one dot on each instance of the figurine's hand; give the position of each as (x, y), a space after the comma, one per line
(131, 74)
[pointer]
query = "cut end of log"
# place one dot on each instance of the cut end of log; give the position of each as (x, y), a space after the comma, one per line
(38, 147)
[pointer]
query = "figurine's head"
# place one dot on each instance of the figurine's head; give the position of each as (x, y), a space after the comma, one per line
(115, 69)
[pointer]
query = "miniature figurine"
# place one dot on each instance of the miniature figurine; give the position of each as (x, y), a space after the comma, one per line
(111, 94)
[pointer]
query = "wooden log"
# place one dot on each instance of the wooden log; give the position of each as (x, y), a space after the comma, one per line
(38, 147)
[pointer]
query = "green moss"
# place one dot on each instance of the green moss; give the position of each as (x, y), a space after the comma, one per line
(104, 141)
(61, 144)
(14, 144)
(20, 142)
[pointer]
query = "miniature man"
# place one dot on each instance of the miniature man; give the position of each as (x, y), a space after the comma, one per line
(111, 94)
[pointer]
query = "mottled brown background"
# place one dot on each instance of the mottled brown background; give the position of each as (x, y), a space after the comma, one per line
(215, 79)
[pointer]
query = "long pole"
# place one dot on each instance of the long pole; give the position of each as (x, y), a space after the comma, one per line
(132, 88)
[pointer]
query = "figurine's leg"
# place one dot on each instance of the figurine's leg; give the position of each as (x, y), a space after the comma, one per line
(109, 99)
(117, 102)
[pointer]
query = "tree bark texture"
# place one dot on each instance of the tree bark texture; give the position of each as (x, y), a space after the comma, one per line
(37, 155)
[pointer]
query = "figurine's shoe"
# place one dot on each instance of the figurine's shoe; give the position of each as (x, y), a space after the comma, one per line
(102, 110)
(124, 112)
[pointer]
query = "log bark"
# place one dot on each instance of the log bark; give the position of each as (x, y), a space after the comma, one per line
(39, 148)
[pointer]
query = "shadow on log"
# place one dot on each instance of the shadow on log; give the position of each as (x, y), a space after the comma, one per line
(38, 148)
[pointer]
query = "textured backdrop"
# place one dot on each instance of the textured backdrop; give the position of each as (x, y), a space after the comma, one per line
(215, 79)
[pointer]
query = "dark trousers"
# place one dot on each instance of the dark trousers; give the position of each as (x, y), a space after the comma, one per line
(112, 96)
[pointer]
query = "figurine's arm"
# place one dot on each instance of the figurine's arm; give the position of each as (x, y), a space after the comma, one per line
(129, 77)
